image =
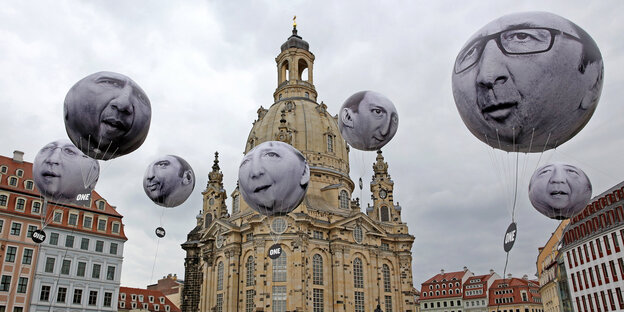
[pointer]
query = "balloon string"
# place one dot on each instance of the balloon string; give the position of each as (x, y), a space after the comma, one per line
(155, 256)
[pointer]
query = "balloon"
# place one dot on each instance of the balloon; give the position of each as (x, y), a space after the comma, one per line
(527, 82)
(62, 173)
(273, 178)
(368, 120)
(559, 191)
(107, 115)
(169, 181)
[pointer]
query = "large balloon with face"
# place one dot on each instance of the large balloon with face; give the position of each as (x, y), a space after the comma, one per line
(273, 178)
(527, 82)
(559, 191)
(62, 172)
(169, 181)
(368, 120)
(107, 115)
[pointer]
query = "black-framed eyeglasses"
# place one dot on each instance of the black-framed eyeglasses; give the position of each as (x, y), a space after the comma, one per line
(517, 41)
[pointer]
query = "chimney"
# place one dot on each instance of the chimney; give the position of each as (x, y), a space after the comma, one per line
(18, 156)
(175, 277)
(491, 271)
(525, 277)
(508, 275)
(465, 269)
(442, 271)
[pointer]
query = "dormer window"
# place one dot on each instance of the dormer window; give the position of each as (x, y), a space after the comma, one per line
(12, 181)
(29, 185)
(19, 172)
(344, 199)
(4, 169)
(100, 205)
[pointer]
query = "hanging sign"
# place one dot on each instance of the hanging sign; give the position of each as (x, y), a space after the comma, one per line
(510, 237)
(160, 232)
(275, 251)
(38, 236)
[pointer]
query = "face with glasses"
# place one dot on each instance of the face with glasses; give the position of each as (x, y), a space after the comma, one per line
(527, 82)
(61, 171)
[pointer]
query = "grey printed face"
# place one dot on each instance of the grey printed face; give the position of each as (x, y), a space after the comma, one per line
(273, 178)
(368, 120)
(168, 181)
(559, 191)
(527, 82)
(62, 172)
(107, 115)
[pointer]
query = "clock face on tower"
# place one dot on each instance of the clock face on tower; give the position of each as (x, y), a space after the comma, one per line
(383, 194)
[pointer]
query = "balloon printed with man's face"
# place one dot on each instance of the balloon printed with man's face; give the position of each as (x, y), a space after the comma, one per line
(169, 181)
(273, 178)
(368, 120)
(107, 115)
(61, 172)
(527, 82)
(559, 191)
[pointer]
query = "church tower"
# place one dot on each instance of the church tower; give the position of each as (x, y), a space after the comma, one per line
(334, 256)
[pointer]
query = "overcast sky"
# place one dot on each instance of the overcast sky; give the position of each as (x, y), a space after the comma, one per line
(208, 66)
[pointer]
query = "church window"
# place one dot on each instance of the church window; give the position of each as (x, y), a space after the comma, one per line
(235, 204)
(278, 226)
(388, 303)
(317, 235)
(250, 305)
(307, 95)
(386, 277)
(358, 234)
(279, 299)
(219, 303)
(220, 276)
(279, 268)
(344, 199)
(317, 300)
(208, 220)
(250, 266)
(359, 301)
(317, 270)
(385, 214)
(211, 201)
(330, 143)
(358, 274)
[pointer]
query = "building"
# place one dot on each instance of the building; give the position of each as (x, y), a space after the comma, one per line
(547, 270)
(20, 215)
(475, 296)
(515, 295)
(136, 299)
(335, 257)
(171, 287)
(592, 253)
(443, 292)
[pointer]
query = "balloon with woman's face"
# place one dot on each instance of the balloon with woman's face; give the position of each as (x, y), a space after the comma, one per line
(169, 181)
(559, 191)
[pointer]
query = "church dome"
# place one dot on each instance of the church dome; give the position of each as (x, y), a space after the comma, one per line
(295, 41)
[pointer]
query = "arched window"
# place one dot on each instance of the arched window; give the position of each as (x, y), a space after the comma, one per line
(220, 275)
(385, 214)
(344, 199)
(386, 277)
(208, 220)
(250, 266)
(450, 291)
(235, 204)
(443, 292)
(279, 268)
(358, 273)
(317, 269)
(330, 143)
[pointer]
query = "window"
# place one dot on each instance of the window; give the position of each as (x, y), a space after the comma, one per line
(250, 266)
(87, 222)
(10, 254)
(162, 300)
(84, 244)
(5, 283)
(82, 267)
(133, 296)
(307, 95)
(279, 298)
(358, 274)
(27, 256)
(279, 268)
(317, 269)
(359, 301)
(317, 235)
(54, 238)
(96, 270)
(22, 285)
(220, 276)
(29, 185)
(69, 241)
(100, 205)
(385, 214)
(93, 297)
(101, 225)
(4, 169)
(344, 199)
(44, 295)
(235, 204)
(388, 300)
(58, 216)
(62, 294)
(35, 207)
(13, 181)
(317, 300)
(358, 234)
(110, 273)
(156, 307)
(115, 227)
(386, 277)
(1, 225)
(113, 248)
(249, 300)
(108, 299)
(330, 143)
(73, 219)
(151, 299)
(77, 296)
(279, 225)
(19, 204)
(19, 172)
(16, 228)
(65, 266)
(99, 246)
(31, 230)
(49, 265)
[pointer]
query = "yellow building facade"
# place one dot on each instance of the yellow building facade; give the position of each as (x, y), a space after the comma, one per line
(335, 257)
(547, 270)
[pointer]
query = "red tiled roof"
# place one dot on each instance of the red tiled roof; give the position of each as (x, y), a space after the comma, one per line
(448, 276)
(128, 292)
(443, 280)
(519, 284)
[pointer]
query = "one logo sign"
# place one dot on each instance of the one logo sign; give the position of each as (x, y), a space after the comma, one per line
(38, 236)
(160, 232)
(275, 251)
(510, 237)
(83, 199)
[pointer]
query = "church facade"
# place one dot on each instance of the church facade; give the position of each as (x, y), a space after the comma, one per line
(335, 257)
